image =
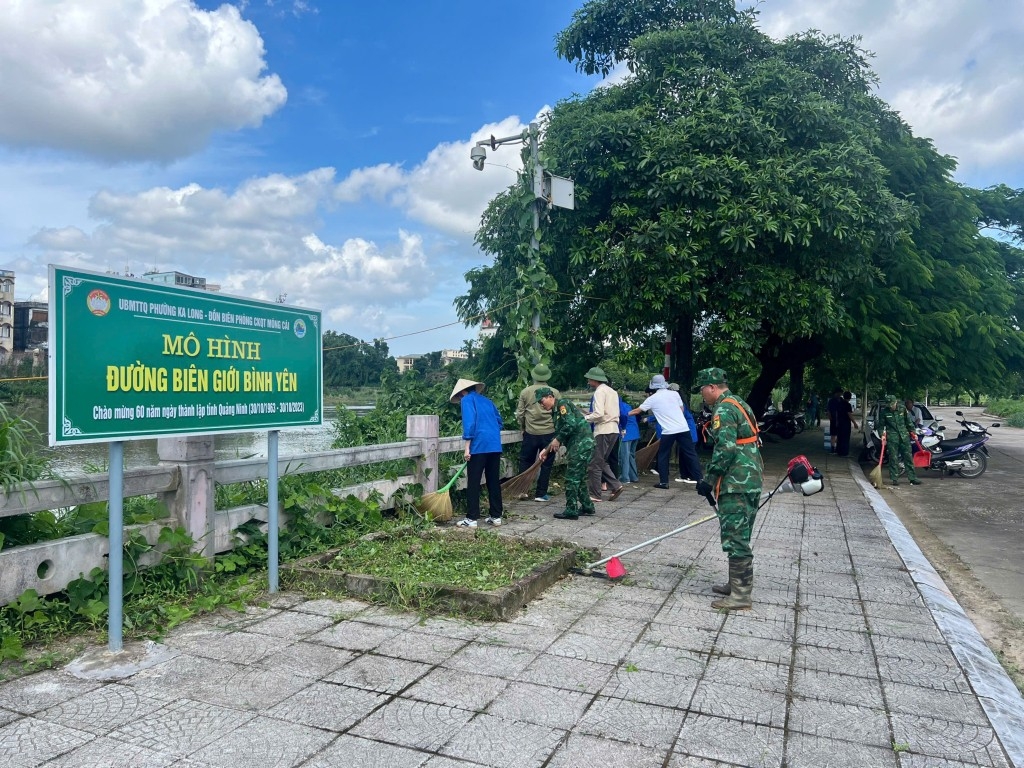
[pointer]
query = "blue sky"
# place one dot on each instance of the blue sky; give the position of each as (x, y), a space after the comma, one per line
(321, 150)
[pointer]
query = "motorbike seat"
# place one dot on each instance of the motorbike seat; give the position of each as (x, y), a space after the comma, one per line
(958, 442)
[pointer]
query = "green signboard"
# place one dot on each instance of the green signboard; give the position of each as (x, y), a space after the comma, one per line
(133, 359)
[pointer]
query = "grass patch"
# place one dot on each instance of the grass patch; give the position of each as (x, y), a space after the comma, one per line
(484, 562)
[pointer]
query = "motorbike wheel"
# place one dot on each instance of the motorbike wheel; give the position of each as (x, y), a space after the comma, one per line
(978, 464)
(786, 431)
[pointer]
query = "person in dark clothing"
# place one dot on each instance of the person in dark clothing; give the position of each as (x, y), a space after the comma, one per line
(845, 423)
(833, 416)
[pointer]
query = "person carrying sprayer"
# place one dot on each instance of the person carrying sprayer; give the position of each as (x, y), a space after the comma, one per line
(733, 480)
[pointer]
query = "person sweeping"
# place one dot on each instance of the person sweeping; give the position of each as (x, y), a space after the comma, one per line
(896, 424)
(481, 430)
(573, 431)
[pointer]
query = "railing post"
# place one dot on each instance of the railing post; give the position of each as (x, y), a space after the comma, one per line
(192, 504)
(425, 429)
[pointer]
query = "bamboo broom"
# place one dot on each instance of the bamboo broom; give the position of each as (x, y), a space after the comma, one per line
(521, 483)
(875, 475)
(646, 455)
(437, 506)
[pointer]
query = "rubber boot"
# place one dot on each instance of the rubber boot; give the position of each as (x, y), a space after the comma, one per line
(722, 589)
(741, 583)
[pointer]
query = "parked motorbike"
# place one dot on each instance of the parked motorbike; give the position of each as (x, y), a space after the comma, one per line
(973, 429)
(965, 456)
(781, 423)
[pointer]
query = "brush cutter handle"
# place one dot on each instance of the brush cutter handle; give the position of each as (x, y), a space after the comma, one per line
(655, 540)
(450, 483)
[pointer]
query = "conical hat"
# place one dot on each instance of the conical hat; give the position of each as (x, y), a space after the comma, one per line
(464, 384)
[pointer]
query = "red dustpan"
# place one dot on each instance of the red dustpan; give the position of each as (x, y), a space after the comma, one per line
(615, 569)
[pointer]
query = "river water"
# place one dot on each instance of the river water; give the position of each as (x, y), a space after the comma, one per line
(236, 445)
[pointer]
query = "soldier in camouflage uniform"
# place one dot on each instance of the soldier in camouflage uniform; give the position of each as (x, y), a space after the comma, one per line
(897, 425)
(733, 477)
(573, 431)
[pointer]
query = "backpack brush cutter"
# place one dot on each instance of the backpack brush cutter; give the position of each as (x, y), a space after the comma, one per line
(800, 474)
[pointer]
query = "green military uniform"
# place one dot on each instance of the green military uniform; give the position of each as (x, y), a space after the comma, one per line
(573, 431)
(735, 472)
(735, 475)
(897, 426)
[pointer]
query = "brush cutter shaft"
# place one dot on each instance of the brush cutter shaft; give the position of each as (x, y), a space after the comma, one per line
(591, 566)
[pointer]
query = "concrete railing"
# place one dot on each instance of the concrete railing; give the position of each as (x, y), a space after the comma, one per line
(184, 481)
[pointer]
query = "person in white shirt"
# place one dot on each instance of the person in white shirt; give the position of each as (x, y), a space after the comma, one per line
(915, 413)
(604, 415)
(667, 408)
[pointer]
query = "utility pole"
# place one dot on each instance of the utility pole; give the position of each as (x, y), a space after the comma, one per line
(547, 190)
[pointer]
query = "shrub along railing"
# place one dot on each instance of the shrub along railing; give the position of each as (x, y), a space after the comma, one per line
(184, 481)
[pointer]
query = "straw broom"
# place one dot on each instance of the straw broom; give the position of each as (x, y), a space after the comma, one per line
(875, 475)
(521, 483)
(437, 506)
(646, 455)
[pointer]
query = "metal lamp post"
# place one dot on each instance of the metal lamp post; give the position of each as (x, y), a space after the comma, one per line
(547, 189)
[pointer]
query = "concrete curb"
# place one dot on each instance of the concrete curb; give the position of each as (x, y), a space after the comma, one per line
(996, 693)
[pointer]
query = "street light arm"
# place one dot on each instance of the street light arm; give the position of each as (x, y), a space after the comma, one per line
(494, 143)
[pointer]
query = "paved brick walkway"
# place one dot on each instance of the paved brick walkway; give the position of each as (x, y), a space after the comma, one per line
(855, 655)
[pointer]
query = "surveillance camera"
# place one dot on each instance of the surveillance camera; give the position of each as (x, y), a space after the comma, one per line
(478, 155)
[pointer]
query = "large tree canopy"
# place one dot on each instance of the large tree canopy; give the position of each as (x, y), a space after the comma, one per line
(753, 193)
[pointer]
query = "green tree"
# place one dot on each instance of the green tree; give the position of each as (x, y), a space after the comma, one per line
(710, 186)
(349, 362)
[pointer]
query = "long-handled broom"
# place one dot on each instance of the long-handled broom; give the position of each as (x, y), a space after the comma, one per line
(646, 455)
(875, 475)
(437, 506)
(521, 483)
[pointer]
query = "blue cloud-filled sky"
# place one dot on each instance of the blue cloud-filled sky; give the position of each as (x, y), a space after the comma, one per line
(320, 150)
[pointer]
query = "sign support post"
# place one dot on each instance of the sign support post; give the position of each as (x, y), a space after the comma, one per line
(272, 509)
(115, 555)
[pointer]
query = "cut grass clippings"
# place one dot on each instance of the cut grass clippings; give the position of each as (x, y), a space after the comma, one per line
(484, 562)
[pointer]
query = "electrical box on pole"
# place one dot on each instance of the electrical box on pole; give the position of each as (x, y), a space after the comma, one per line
(559, 192)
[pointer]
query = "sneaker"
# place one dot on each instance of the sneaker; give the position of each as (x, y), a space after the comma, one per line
(466, 523)
(686, 480)
(915, 482)
(522, 497)
(654, 471)
(543, 498)
(495, 521)
(663, 486)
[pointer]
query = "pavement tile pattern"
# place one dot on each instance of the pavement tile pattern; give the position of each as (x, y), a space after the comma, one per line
(851, 657)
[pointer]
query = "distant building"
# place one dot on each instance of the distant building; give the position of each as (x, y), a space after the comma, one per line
(6, 312)
(31, 325)
(449, 356)
(179, 279)
(406, 362)
(487, 329)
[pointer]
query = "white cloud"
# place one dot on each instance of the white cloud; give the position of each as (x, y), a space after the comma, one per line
(129, 79)
(951, 68)
(444, 191)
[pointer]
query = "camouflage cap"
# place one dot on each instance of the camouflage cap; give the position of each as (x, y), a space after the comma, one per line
(891, 399)
(710, 376)
(543, 392)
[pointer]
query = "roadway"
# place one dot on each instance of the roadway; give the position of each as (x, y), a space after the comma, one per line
(973, 533)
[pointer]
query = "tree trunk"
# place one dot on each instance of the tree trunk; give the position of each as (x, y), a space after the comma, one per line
(682, 353)
(777, 357)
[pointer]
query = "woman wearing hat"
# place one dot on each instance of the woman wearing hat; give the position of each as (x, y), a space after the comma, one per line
(481, 429)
